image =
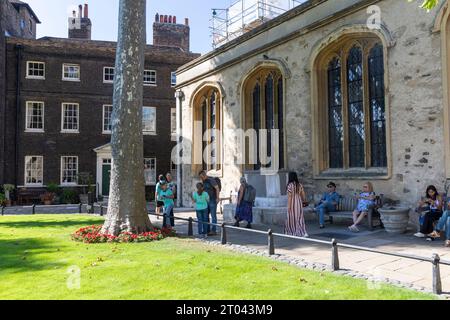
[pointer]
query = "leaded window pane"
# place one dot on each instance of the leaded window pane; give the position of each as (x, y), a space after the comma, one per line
(335, 121)
(269, 112)
(377, 107)
(257, 119)
(356, 120)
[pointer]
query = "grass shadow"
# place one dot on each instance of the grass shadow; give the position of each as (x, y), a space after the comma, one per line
(23, 255)
(53, 223)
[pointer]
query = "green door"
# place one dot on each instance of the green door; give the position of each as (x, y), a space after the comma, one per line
(106, 173)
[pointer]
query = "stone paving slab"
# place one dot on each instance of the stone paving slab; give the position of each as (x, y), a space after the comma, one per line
(417, 274)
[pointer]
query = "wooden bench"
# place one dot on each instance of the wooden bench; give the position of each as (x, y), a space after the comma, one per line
(348, 204)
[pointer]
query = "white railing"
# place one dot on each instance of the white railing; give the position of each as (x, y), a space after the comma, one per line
(244, 15)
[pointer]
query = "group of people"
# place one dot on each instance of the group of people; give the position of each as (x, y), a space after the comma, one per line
(205, 199)
(434, 216)
(295, 223)
(433, 219)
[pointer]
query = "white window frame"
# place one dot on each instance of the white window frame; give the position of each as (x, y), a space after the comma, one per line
(35, 77)
(25, 172)
(26, 117)
(103, 119)
(144, 132)
(151, 83)
(154, 176)
(64, 78)
(62, 172)
(173, 74)
(104, 74)
(62, 118)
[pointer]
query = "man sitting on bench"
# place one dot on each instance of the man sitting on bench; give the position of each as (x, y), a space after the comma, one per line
(329, 202)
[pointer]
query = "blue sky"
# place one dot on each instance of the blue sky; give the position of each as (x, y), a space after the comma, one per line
(104, 15)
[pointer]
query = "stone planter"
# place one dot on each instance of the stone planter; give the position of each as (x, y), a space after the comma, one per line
(395, 219)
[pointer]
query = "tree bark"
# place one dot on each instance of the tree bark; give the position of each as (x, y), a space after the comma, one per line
(127, 209)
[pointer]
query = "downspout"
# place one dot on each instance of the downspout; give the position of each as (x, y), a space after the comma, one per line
(179, 98)
(19, 49)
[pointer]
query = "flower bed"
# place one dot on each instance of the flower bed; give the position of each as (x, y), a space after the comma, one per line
(91, 234)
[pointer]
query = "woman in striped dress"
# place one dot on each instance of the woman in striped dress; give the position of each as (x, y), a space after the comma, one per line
(295, 223)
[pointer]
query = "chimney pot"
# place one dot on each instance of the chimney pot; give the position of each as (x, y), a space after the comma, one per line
(86, 11)
(186, 21)
(74, 14)
(174, 19)
(170, 19)
(156, 17)
(80, 11)
(166, 18)
(161, 18)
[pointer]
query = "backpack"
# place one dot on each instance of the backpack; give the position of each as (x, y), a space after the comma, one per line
(219, 183)
(249, 194)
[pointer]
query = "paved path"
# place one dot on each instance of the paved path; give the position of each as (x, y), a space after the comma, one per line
(416, 273)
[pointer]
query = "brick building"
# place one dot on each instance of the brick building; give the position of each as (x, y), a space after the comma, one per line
(55, 120)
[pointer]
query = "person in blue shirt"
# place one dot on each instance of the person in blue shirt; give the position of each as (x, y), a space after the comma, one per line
(201, 199)
(329, 202)
(167, 196)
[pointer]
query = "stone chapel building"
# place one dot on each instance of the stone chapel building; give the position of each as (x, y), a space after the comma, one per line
(353, 100)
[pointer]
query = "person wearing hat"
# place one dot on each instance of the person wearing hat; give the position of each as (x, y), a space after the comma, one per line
(329, 202)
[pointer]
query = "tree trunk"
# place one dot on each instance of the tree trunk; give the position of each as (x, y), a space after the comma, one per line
(127, 209)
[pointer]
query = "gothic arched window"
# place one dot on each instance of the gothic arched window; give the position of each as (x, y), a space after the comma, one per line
(351, 97)
(207, 106)
(264, 109)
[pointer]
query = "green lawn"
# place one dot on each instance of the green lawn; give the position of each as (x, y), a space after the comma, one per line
(36, 253)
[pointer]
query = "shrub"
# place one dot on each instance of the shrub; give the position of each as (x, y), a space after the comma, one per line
(91, 234)
(53, 187)
(2, 200)
(69, 196)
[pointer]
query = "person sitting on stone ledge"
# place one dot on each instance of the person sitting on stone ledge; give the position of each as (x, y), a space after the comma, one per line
(431, 207)
(366, 199)
(329, 202)
(443, 224)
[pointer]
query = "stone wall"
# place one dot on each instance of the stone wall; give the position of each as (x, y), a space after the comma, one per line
(414, 89)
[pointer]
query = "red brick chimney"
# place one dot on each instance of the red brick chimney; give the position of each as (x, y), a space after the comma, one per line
(166, 32)
(80, 27)
(86, 11)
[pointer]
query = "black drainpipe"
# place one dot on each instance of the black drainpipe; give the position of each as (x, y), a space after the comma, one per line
(19, 49)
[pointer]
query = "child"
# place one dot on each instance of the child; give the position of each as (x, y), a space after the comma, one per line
(366, 199)
(167, 196)
(201, 199)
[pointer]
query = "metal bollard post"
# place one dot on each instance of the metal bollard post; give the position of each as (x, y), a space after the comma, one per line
(101, 210)
(80, 208)
(190, 230)
(224, 234)
(437, 284)
(33, 209)
(334, 255)
(271, 246)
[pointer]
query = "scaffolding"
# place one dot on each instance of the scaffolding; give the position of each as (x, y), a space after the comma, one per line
(244, 15)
